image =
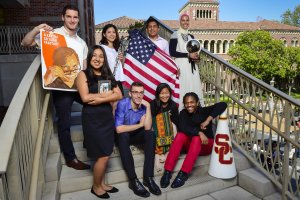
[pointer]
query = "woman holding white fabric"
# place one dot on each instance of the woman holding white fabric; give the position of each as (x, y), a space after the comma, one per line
(189, 78)
(110, 41)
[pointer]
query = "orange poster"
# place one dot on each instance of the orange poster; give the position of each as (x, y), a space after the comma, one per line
(60, 62)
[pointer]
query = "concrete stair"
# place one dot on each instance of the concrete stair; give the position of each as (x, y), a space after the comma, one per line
(195, 186)
(63, 182)
(257, 183)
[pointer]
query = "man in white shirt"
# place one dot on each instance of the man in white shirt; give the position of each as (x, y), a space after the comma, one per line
(152, 28)
(63, 100)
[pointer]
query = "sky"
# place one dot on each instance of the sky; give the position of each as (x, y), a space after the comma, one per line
(230, 10)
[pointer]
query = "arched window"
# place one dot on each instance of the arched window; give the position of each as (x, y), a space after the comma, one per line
(210, 14)
(197, 13)
(212, 46)
(201, 43)
(205, 44)
(219, 43)
(225, 46)
(284, 41)
(294, 42)
(231, 43)
(200, 13)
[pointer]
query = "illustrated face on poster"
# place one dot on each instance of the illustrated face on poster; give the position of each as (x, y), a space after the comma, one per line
(64, 70)
(60, 63)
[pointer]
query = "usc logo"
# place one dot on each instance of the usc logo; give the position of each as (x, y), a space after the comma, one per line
(223, 148)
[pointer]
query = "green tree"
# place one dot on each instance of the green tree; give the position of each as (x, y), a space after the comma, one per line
(292, 60)
(291, 17)
(136, 25)
(259, 54)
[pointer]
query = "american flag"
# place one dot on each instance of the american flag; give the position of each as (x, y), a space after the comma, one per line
(148, 64)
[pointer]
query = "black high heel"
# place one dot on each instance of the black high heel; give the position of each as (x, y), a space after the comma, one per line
(102, 196)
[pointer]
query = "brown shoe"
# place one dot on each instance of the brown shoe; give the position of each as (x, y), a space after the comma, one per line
(77, 164)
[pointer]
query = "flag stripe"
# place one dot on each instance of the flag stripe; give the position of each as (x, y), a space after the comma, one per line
(167, 60)
(146, 63)
(166, 56)
(135, 76)
(142, 70)
(145, 72)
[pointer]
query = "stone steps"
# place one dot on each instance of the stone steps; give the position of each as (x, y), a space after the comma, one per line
(69, 180)
(72, 180)
(231, 193)
(63, 182)
(195, 186)
(257, 183)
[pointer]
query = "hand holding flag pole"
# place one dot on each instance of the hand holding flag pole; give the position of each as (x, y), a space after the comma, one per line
(148, 64)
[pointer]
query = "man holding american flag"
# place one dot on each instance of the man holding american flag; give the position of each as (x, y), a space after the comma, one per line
(152, 28)
(148, 64)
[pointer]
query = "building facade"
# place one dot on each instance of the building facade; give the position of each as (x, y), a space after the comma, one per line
(29, 13)
(214, 35)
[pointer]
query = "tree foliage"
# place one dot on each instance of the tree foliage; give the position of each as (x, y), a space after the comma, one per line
(264, 57)
(259, 54)
(136, 25)
(291, 17)
(292, 60)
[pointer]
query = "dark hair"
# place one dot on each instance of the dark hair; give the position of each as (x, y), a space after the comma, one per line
(157, 102)
(136, 84)
(104, 41)
(151, 20)
(105, 70)
(191, 94)
(69, 7)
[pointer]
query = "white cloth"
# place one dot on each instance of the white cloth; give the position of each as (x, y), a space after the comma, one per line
(162, 44)
(112, 54)
(189, 82)
(74, 42)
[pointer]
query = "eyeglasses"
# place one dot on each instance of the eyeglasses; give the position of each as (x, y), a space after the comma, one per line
(137, 93)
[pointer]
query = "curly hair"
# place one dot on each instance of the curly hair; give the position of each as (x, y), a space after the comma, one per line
(191, 94)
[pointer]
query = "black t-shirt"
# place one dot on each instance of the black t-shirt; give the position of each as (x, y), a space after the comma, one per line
(189, 123)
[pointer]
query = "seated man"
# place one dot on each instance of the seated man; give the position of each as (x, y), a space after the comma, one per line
(133, 123)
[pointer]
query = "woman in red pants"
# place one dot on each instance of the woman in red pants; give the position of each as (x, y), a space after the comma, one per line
(195, 136)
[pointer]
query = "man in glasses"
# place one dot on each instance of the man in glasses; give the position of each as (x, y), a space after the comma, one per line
(133, 123)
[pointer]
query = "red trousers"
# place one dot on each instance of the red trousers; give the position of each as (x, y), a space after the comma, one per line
(192, 145)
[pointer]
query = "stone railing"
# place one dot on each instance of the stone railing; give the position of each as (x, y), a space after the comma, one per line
(262, 120)
(10, 40)
(24, 138)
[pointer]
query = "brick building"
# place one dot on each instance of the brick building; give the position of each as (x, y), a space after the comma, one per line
(33, 12)
(214, 35)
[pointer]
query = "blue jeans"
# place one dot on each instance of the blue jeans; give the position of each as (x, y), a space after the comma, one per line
(63, 101)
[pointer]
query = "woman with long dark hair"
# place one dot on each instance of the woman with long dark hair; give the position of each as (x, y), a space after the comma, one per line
(164, 111)
(97, 117)
(110, 41)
